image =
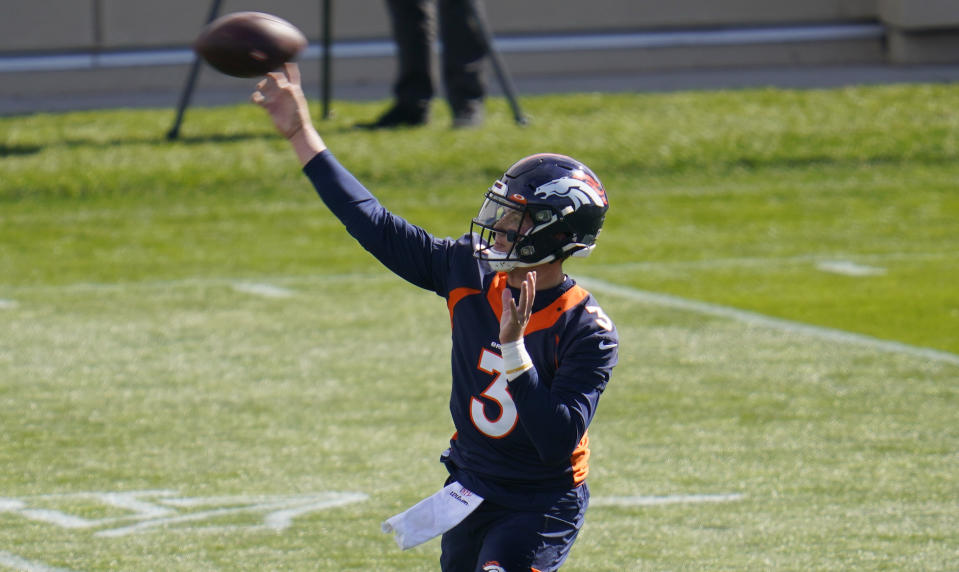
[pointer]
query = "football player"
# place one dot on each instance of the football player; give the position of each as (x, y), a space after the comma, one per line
(531, 350)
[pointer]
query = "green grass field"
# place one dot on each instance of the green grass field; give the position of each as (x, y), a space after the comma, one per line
(199, 370)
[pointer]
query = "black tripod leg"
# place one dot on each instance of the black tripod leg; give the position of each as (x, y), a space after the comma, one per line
(184, 100)
(187, 92)
(326, 72)
(498, 67)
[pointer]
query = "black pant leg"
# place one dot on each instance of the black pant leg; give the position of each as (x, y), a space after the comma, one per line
(414, 31)
(464, 52)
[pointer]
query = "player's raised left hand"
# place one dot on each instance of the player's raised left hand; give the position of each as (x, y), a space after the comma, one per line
(516, 316)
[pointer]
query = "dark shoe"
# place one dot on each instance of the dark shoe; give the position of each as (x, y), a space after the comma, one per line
(468, 115)
(400, 116)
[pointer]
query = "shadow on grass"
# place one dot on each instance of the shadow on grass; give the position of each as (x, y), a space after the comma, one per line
(17, 150)
(12, 150)
(202, 139)
(72, 143)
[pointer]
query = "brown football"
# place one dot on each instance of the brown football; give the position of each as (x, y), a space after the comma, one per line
(249, 44)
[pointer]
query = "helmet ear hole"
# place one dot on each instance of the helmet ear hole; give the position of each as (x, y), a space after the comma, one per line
(542, 215)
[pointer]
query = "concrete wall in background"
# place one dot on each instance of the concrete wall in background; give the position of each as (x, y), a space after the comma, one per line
(86, 46)
(39, 25)
(921, 31)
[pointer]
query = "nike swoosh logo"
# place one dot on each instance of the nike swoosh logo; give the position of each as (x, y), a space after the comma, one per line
(604, 345)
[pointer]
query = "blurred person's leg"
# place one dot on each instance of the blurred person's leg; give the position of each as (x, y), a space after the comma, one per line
(414, 32)
(463, 59)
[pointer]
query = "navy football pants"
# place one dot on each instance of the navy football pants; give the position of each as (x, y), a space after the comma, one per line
(515, 541)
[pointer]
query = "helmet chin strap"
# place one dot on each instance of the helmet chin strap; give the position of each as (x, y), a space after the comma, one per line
(502, 265)
(583, 252)
(497, 261)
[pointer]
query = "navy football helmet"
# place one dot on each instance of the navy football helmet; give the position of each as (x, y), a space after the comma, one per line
(545, 207)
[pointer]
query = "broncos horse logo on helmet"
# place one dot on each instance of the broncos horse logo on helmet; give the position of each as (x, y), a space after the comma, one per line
(549, 206)
(577, 190)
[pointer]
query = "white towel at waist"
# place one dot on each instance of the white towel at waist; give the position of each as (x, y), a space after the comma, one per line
(433, 515)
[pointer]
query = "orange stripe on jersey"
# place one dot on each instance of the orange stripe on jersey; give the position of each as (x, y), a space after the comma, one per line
(580, 460)
(456, 295)
(543, 318)
(548, 316)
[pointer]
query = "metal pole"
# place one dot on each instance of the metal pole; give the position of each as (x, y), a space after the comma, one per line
(326, 71)
(187, 92)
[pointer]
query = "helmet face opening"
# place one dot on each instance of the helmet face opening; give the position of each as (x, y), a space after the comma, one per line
(498, 229)
(546, 207)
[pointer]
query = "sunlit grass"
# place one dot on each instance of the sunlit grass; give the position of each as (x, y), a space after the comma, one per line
(132, 358)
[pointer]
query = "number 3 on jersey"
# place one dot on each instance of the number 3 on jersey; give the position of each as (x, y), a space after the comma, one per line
(498, 392)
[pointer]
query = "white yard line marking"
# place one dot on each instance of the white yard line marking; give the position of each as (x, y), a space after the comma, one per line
(152, 509)
(130, 501)
(849, 268)
(664, 300)
(56, 517)
(265, 290)
(666, 499)
(283, 519)
(200, 282)
(756, 319)
(382, 276)
(10, 505)
(280, 516)
(775, 261)
(14, 562)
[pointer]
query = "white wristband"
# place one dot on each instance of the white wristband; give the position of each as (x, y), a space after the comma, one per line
(516, 360)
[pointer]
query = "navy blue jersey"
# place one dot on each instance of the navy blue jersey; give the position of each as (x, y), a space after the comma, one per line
(519, 443)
